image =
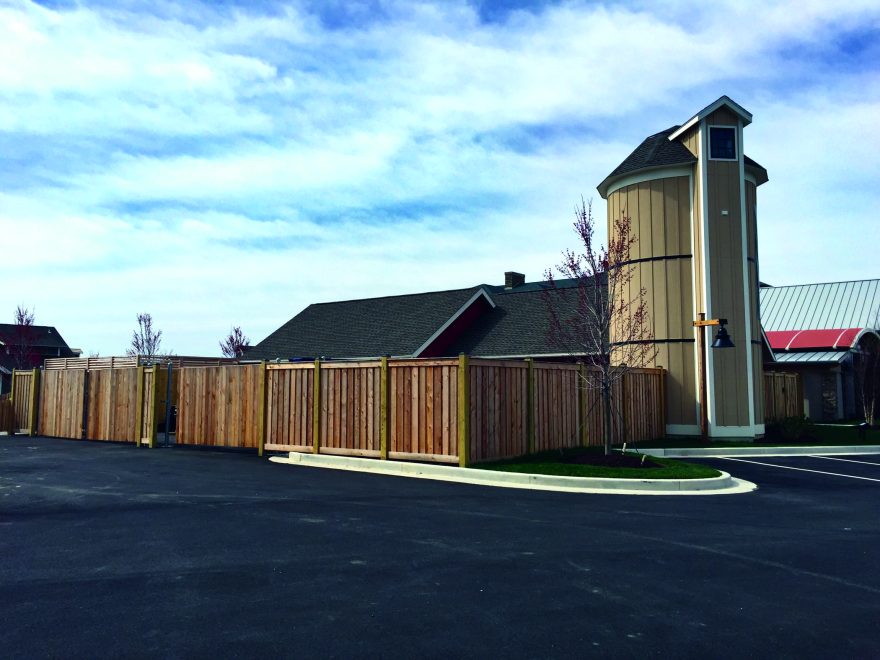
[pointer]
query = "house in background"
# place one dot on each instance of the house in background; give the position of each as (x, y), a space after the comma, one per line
(25, 347)
(489, 321)
(820, 331)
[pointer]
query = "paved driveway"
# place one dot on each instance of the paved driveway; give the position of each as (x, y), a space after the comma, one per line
(111, 551)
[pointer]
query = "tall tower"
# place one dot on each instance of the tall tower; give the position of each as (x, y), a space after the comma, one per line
(691, 195)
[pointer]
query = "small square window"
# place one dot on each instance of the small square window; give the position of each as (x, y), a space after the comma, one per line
(722, 143)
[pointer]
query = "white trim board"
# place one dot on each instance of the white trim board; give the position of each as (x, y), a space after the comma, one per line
(683, 429)
(649, 175)
(732, 431)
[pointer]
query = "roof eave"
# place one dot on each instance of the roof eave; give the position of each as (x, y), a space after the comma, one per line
(611, 179)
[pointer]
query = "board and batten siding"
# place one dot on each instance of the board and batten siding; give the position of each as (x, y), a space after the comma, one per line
(727, 277)
(660, 212)
(755, 299)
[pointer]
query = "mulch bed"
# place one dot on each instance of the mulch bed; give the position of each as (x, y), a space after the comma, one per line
(614, 460)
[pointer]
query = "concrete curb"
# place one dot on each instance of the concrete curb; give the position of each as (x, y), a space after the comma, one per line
(745, 452)
(722, 485)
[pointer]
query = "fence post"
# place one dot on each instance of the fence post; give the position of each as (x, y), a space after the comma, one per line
(261, 422)
(530, 406)
(34, 403)
(464, 438)
(139, 413)
(316, 408)
(154, 430)
(383, 418)
(12, 392)
(582, 403)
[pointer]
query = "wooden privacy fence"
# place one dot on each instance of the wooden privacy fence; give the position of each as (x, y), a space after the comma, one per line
(455, 410)
(119, 404)
(25, 400)
(783, 395)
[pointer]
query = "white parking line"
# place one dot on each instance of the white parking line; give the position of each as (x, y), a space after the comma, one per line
(789, 467)
(848, 460)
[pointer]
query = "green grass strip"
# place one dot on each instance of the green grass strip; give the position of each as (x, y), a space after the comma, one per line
(551, 463)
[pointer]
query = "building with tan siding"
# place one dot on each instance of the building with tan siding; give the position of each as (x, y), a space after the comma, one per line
(691, 195)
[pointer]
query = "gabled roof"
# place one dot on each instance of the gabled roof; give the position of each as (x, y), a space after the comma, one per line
(832, 305)
(655, 151)
(495, 322)
(724, 101)
(372, 327)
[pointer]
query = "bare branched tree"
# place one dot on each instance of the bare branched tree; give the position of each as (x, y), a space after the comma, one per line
(601, 319)
(235, 344)
(24, 337)
(867, 369)
(145, 341)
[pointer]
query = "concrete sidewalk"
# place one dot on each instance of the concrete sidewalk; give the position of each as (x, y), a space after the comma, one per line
(757, 450)
(721, 485)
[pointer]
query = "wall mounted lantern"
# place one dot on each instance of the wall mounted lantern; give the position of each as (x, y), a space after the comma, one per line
(722, 340)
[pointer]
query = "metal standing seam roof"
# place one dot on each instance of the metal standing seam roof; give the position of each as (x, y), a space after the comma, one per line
(825, 306)
(811, 356)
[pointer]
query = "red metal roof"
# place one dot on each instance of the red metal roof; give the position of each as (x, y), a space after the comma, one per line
(829, 339)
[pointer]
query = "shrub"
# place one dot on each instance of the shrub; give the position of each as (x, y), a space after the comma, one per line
(790, 429)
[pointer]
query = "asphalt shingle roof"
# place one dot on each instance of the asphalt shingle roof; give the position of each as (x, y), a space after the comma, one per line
(399, 325)
(655, 151)
(393, 325)
(42, 336)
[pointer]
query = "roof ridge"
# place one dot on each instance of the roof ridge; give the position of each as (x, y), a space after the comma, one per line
(398, 295)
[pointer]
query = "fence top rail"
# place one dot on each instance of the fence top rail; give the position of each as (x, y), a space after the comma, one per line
(488, 362)
(286, 366)
(51, 364)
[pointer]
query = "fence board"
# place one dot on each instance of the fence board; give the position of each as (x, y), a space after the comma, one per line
(783, 395)
(112, 405)
(218, 406)
(350, 409)
(7, 415)
(497, 409)
(423, 409)
(22, 383)
(61, 403)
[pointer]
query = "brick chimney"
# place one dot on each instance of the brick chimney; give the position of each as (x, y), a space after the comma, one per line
(513, 279)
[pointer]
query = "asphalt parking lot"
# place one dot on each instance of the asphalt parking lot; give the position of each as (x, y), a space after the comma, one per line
(111, 551)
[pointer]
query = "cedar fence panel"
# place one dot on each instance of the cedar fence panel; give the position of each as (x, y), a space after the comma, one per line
(498, 409)
(783, 395)
(423, 410)
(289, 406)
(7, 415)
(350, 409)
(639, 414)
(22, 382)
(112, 405)
(61, 403)
(219, 406)
(556, 415)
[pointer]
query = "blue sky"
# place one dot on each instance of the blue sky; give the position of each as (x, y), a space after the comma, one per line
(228, 163)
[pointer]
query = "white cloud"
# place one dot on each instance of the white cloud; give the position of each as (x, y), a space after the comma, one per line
(216, 166)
